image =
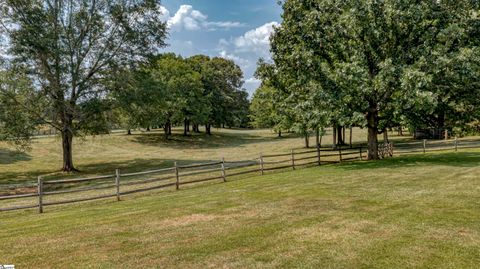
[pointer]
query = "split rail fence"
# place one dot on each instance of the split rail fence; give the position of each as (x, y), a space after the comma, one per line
(116, 185)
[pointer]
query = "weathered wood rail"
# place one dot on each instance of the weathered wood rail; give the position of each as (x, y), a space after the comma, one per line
(121, 184)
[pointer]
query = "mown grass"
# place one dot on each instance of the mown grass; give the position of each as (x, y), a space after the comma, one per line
(418, 211)
(145, 150)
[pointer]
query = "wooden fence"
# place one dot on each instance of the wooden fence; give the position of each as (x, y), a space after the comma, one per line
(118, 184)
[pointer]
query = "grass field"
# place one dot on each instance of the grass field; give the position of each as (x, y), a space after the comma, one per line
(147, 150)
(407, 212)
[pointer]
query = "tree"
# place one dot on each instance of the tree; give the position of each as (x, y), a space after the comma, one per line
(262, 109)
(366, 54)
(222, 80)
(16, 122)
(70, 48)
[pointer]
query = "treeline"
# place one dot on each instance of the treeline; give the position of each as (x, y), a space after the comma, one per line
(374, 64)
(193, 92)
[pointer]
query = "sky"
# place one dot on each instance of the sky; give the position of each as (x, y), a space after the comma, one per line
(233, 29)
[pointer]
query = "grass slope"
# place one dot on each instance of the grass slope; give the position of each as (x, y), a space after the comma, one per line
(142, 151)
(408, 212)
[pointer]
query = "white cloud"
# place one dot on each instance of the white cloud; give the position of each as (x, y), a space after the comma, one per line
(253, 81)
(256, 40)
(165, 13)
(246, 49)
(190, 19)
(240, 61)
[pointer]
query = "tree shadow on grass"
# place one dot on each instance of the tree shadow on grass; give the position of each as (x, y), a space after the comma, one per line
(8, 156)
(90, 170)
(202, 140)
(455, 159)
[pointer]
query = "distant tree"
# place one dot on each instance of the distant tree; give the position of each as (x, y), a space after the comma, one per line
(18, 108)
(71, 47)
(222, 80)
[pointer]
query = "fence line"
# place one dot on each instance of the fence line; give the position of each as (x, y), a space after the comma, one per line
(119, 184)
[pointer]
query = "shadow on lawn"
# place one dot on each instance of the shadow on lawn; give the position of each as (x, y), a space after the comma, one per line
(130, 166)
(8, 156)
(458, 159)
(202, 140)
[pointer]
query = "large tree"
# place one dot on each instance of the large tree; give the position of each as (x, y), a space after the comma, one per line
(70, 48)
(367, 54)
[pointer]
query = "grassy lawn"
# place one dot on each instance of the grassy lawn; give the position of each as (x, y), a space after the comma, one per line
(141, 151)
(408, 212)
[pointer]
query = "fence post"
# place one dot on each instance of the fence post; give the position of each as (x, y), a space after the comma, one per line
(293, 160)
(318, 154)
(40, 194)
(177, 182)
(424, 145)
(117, 183)
(456, 143)
(224, 176)
(261, 163)
(340, 153)
(361, 154)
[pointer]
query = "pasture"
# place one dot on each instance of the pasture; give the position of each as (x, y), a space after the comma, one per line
(419, 211)
(102, 154)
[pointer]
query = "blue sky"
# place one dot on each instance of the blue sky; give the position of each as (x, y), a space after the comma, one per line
(233, 29)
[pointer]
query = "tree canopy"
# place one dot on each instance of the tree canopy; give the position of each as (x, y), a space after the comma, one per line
(381, 60)
(70, 49)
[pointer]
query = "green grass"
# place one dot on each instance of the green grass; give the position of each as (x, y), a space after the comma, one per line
(142, 151)
(408, 212)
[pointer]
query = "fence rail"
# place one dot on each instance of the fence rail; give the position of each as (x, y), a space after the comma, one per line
(121, 184)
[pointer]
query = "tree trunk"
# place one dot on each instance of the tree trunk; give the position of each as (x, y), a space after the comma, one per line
(185, 124)
(334, 145)
(372, 144)
(129, 132)
(317, 137)
(385, 136)
(148, 129)
(344, 136)
(351, 132)
(207, 129)
(340, 140)
(307, 140)
(279, 133)
(195, 128)
(169, 127)
(67, 140)
(400, 131)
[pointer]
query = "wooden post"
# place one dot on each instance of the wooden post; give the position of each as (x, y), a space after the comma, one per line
(351, 132)
(177, 182)
(117, 183)
(224, 176)
(261, 163)
(361, 154)
(456, 143)
(293, 160)
(340, 153)
(318, 154)
(40, 194)
(424, 145)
